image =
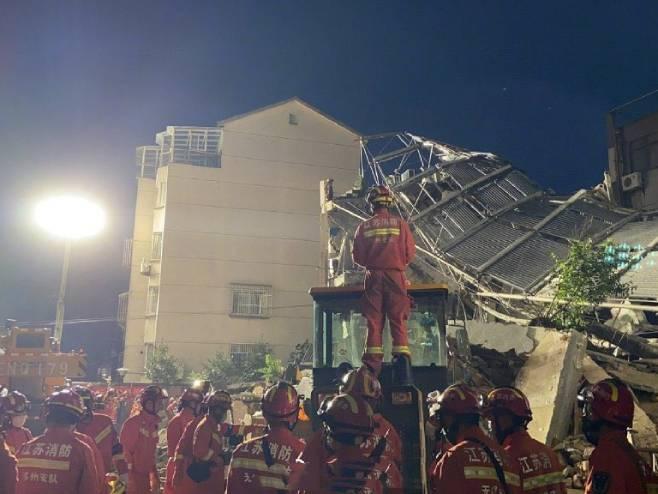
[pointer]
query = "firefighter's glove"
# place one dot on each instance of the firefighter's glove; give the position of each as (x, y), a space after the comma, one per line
(235, 439)
(199, 471)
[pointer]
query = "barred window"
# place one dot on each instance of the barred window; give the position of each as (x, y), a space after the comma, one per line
(240, 352)
(156, 246)
(152, 301)
(251, 300)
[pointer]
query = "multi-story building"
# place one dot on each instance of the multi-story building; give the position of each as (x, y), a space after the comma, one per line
(227, 233)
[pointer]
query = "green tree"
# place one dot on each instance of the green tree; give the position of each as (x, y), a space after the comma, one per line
(272, 370)
(586, 278)
(162, 367)
(222, 371)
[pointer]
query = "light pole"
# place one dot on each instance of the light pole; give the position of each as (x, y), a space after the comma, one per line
(71, 218)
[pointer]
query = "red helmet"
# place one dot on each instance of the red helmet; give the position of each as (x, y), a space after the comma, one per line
(16, 403)
(509, 399)
(152, 393)
(380, 196)
(348, 414)
(191, 395)
(86, 395)
(459, 399)
(68, 399)
(280, 402)
(361, 382)
(218, 399)
(609, 400)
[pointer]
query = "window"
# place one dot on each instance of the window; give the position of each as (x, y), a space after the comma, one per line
(30, 340)
(251, 300)
(292, 119)
(162, 194)
(152, 300)
(240, 352)
(156, 246)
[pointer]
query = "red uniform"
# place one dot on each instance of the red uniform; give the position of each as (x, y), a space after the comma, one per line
(616, 468)
(139, 438)
(174, 432)
(383, 428)
(101, 429)
(56, 463)
(98, 459)
(207, 446)
(8, 471)
(16, 437)
(467, 469)
(384, 245)
(181, 482)
(249, 472)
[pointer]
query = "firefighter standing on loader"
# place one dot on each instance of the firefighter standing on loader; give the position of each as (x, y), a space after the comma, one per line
(16, 434)
(509, 412)
(475, 464)
(8, 470)
(385, 246)
(263, 465)
(189, 406)
(139, 439)
(614, 465)
(58, 462)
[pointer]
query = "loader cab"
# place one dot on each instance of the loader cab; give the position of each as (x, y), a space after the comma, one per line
(339, 339)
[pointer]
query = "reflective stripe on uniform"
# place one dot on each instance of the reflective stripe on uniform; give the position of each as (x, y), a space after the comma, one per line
(103, 434)
(147, 433)
(652, 488)
(272, 482)
(489, 473)
(381, 232)
(118, 457)
(375, 350)
(258, 465)
(542, 480)
(209, 455)
(216, 437)
(44, 464)
(401, 349)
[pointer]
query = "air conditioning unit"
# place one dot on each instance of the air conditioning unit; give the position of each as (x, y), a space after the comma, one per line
(631, 181)
(145, 267)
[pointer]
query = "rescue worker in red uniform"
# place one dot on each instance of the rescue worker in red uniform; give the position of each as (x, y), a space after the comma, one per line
(98, 459)
(100, 428)
(509, 413)
(434, 432)
(189, 405)
(338, 463)
(263, 465)
(207, 468)
(8, 470)
(15, 433)
(139, 439)
(363, 383)
(614, 466)
(384, 245)
(58, 462)
(476, 463)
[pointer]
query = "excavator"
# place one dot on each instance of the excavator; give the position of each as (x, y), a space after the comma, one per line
(339, 335)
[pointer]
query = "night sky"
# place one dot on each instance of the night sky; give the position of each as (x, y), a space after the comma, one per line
(83, 83)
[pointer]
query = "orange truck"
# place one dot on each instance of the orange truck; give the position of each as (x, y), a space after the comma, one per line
(31, 362)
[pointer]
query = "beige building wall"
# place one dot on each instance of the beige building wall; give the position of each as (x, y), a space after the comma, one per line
(256, 221)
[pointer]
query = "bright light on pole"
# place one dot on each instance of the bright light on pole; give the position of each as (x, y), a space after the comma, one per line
(71, 218)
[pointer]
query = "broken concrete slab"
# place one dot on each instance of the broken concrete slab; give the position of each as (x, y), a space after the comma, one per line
(631, 374)
(550, 379)
(501, 337)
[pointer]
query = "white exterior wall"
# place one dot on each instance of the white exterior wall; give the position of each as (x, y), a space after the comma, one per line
(255, 220)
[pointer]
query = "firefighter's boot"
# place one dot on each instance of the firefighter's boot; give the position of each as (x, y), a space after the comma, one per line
(402, 375)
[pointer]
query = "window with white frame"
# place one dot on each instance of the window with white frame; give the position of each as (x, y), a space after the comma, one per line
(156, 246)
(251, 300)
(152, 300)
(162, 194)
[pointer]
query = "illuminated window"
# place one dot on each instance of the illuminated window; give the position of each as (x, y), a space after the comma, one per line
(156, 246)
(251, 300)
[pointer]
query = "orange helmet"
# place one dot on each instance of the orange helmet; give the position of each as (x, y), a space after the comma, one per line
(280, 403)
(459, 399)
(152, 393)
(218, 399)
(361, 382)
(16, 403)
(66, 399)
(609, 400)
(509, 399)
(348, 415)
(380, 196)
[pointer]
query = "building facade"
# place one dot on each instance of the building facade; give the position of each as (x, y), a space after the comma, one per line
(227, 234)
